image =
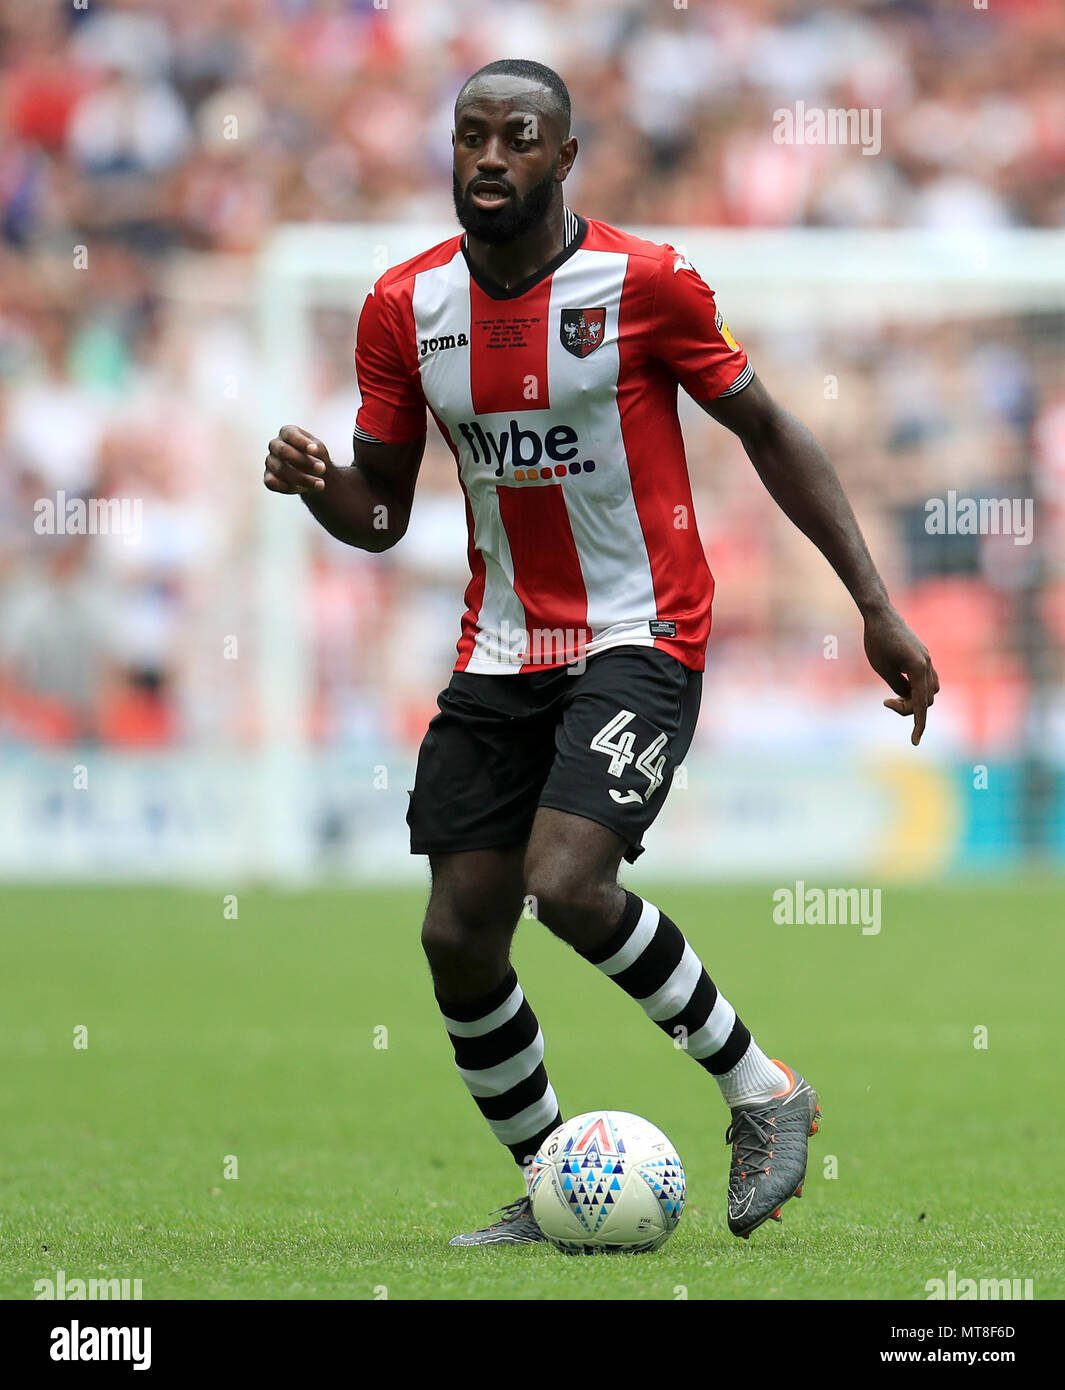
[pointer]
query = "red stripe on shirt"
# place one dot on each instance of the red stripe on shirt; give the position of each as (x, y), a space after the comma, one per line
(658, 474)
(386, 364)
(547, 573)
(474, 595)
(508, 350)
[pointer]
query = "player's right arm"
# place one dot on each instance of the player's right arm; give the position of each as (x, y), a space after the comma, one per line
(367, 505)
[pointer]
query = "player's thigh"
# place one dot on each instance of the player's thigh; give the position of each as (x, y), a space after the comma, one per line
(628, 724)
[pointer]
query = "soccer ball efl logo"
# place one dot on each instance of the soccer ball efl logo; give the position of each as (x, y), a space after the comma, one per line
(607, 1182)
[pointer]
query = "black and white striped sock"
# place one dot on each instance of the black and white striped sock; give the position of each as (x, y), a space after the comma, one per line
(649, 958)
(499, 1053)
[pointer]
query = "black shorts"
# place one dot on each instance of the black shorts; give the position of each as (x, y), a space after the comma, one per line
(601, 744)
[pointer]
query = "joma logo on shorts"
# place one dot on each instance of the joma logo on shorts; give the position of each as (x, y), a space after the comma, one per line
(448, 340)
(531, 456)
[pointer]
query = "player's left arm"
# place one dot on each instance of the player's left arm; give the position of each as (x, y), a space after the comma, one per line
(801, 480)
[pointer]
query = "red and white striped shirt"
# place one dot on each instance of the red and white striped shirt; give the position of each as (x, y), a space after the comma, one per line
(558, 400)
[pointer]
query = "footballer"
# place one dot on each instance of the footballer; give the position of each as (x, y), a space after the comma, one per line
(549, 348)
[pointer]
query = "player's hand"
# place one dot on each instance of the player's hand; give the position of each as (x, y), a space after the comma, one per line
(897, 655)
(296, 462)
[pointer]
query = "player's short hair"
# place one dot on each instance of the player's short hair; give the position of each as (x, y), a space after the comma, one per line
(533, 72)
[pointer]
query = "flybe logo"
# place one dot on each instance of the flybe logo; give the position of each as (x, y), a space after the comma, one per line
(530, 456)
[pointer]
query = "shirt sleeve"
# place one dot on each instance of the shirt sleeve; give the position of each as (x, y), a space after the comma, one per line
(393, 407)
(691, 336)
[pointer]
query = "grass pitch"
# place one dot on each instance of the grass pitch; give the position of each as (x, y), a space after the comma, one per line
(248, 1046)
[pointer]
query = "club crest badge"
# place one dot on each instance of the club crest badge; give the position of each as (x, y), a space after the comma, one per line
(582, 330)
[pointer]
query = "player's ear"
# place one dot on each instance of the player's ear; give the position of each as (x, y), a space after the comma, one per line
(567, 153)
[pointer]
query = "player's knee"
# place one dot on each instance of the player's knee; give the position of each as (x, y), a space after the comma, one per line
(454, 939)
(444, 941)
(564, 894)
(465, 964)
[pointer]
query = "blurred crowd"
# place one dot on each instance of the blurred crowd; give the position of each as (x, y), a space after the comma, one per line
(205, 122)
(149, 147)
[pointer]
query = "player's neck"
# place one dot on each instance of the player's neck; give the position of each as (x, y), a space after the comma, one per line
(509, 263)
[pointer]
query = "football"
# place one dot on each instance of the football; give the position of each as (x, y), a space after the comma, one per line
(607, 1182)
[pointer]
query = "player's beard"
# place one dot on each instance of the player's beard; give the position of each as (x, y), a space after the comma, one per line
(512, 220)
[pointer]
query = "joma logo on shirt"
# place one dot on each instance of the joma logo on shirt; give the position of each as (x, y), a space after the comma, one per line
(448, 340)
(531, 456)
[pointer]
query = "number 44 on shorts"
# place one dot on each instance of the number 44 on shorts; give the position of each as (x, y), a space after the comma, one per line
(617, 741)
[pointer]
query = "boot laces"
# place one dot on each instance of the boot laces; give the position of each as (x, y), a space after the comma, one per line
(752, 1141)
(511, 1211)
